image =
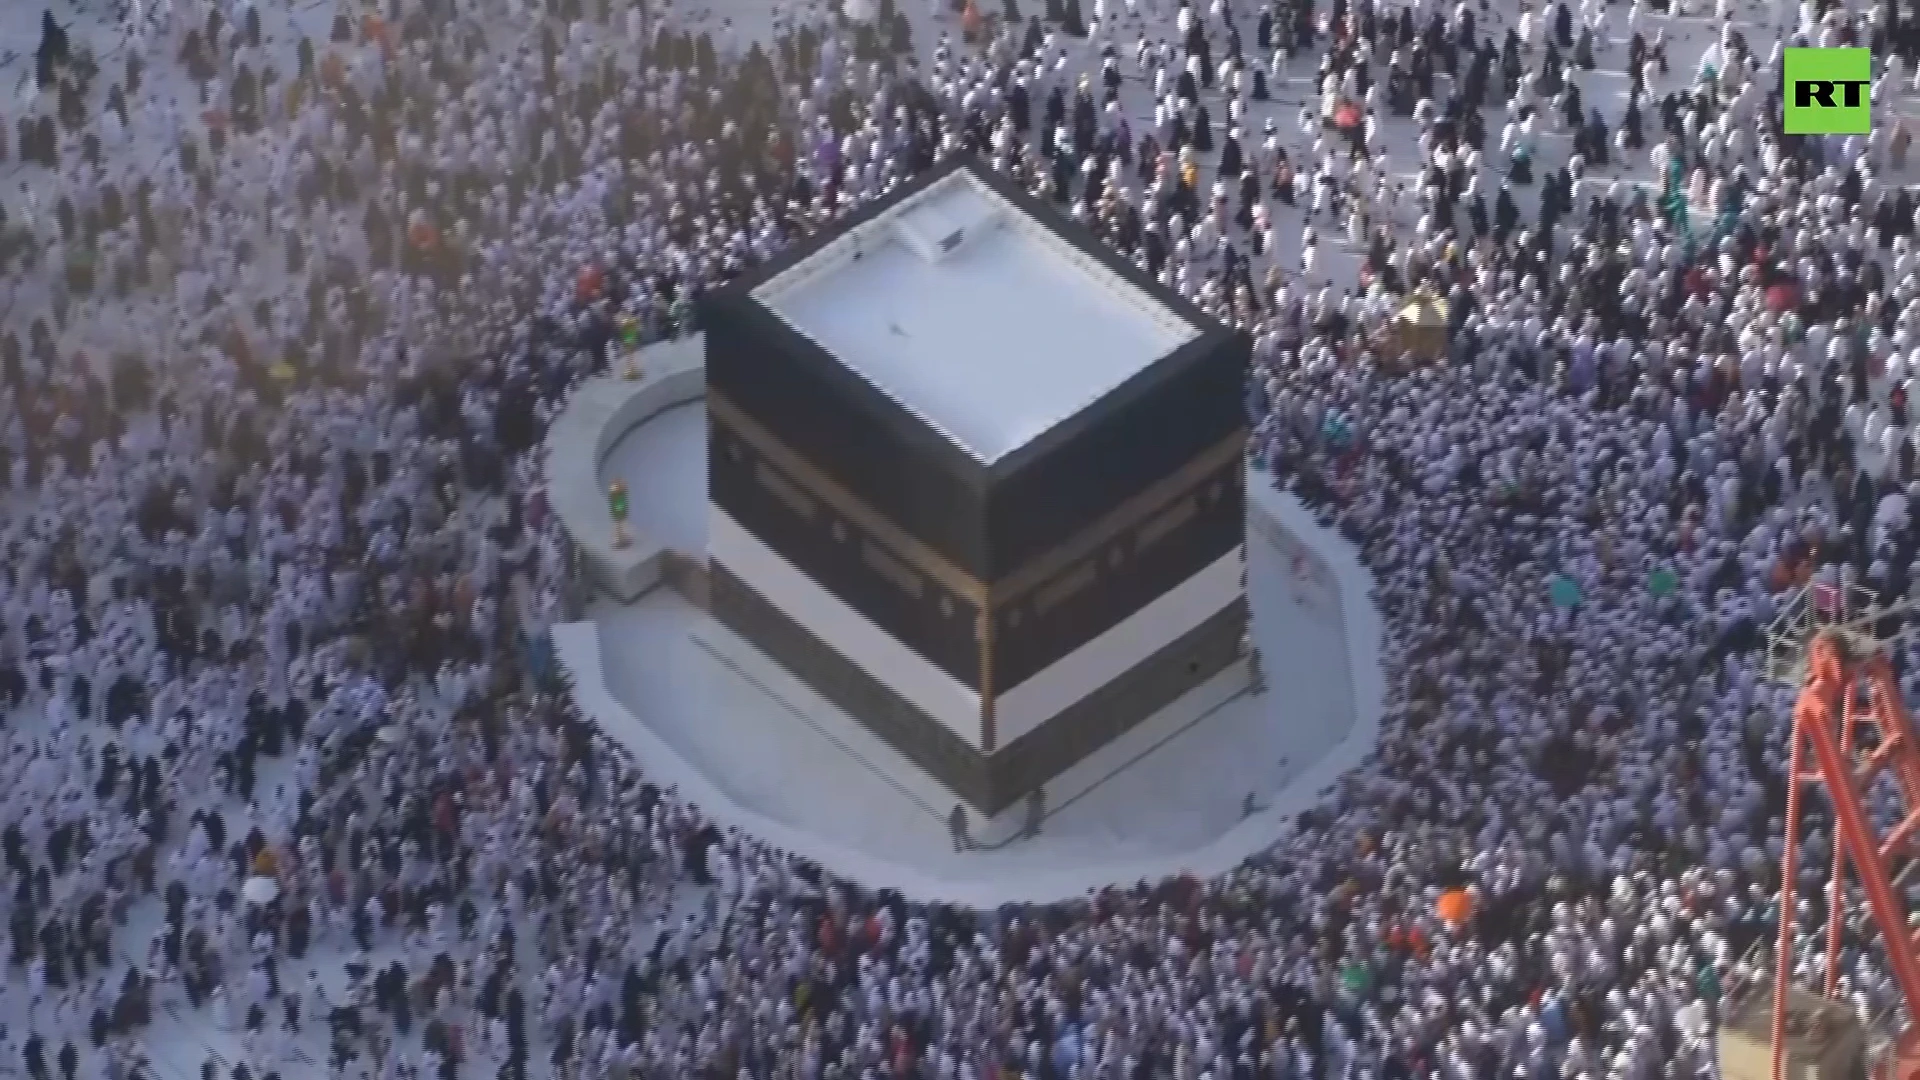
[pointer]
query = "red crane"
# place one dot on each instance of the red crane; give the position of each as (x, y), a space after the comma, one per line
(1851, 727)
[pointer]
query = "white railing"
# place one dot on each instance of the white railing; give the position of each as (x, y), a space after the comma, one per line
(1805, 612)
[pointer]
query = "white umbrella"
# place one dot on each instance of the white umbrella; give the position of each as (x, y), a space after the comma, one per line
(260, 890)
(860, 10)
(390, 734)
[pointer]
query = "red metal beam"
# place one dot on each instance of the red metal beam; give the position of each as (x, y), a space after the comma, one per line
(1825, 720)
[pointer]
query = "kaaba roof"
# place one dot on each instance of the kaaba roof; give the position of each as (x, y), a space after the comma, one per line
(973, 314)
(977, 367)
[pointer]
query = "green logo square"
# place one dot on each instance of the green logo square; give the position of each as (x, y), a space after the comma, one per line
(1826, 91)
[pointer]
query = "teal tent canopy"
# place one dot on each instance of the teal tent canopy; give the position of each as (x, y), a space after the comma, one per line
(1356, 978)
(1564, 591)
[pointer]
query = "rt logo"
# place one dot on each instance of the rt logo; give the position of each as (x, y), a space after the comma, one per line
(1827, 91)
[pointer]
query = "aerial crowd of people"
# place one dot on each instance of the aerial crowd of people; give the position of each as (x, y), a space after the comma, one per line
(290, 302)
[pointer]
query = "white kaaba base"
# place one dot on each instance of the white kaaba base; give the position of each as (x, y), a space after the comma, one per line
(707, 714)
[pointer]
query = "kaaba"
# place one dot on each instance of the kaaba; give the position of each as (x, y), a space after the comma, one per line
(976, 480)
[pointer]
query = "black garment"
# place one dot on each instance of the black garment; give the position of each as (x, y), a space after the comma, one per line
(33, 1055)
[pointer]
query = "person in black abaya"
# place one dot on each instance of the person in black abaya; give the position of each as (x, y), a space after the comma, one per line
(1232, 158)
(1570, 109)
(52, 53)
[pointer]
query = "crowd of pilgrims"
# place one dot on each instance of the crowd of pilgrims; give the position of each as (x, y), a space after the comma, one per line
(279, 567)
